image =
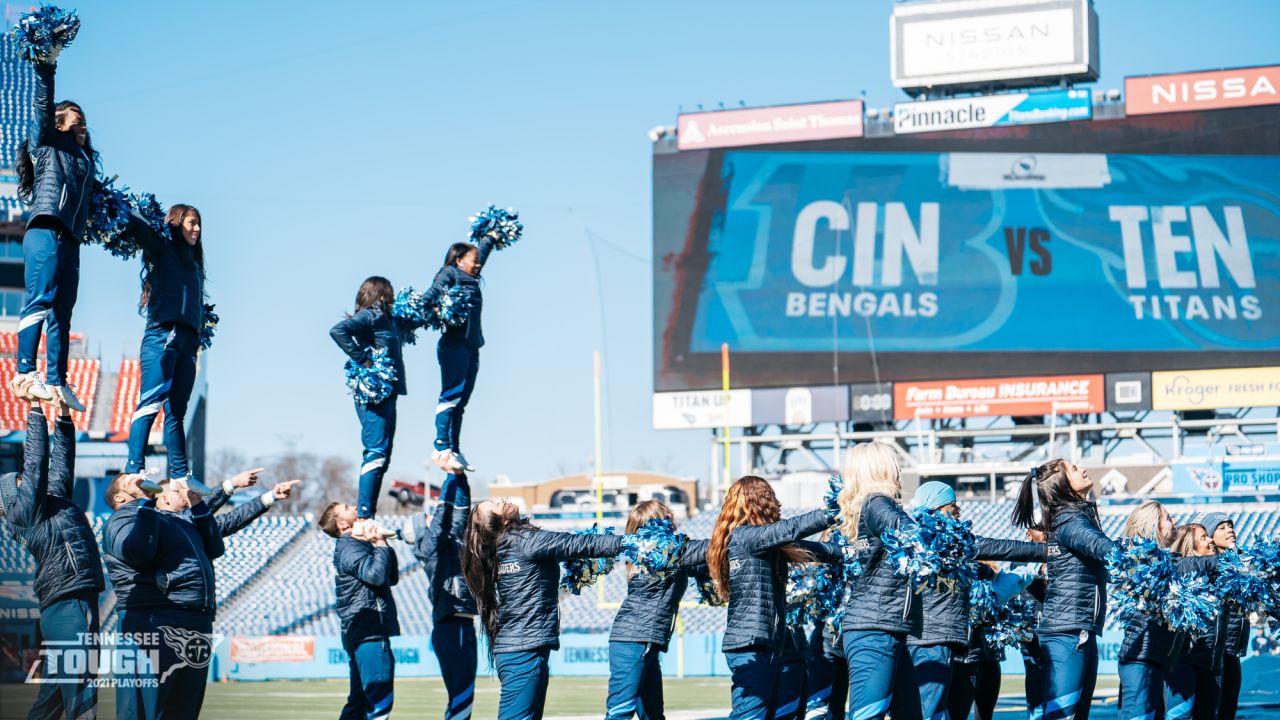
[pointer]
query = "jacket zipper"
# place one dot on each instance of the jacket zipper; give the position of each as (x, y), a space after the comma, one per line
(75, 567)
(62, 198)
(84, 187)
(203, 573)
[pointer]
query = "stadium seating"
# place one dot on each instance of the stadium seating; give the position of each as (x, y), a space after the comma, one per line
(128, 390)
(82, 373)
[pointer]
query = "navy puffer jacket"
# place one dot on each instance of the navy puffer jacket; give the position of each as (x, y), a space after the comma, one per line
(470, 331)
(1206, 653)
(648, 614)
(64, 171)
(1077, 596)
(439, 546)
(163, 561)
(176, 277)
(880, 598)
(1151, 641)
(1237, 631)
(528, 583)
(758, 579)
(53, 528)
(946, 612)
(365, 574)
(373, 328)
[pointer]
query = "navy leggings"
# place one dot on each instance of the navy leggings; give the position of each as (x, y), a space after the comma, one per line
(372, 673)
(974, 687)
(1070, 662)
(932, 665)
(180, 694)
(792, 693)
(453, 640)
(51, 271)
(377, 434)
(62, 622)
(523, 677)
(879, 668)
(459, 364)
(754, 674)
(1034, 683)
(168, 359)
(635, 682)
(1230, 688)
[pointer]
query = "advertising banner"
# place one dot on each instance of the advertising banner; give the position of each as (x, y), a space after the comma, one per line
(1212, 389)
(273, 648)
(992, 111)
(799, 406)
(935, 265)
(1202, 90)
(762, 126)
(989, 41)
(1005, 396)
(701, 409)
(1127, 392)
(1226, 475)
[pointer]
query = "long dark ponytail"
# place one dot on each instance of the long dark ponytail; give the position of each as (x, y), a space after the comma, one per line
(26, 168)
(480, 565)
(1045, 492)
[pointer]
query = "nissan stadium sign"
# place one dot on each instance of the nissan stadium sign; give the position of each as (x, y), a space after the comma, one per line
(1011, 43)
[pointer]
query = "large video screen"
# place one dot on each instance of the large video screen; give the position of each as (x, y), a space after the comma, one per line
(1134, 244)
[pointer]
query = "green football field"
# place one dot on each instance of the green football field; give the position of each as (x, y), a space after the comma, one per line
(687, 698)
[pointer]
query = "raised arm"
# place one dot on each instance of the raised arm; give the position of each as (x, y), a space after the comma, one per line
(240, 516)
(823, 552)
(883, 514)
(1084, 539)
(146, 237)
(42, 121)
(62, 458)
(209, 531)
(354, 335)
(483, 249)
(546, 545)
(132, 533)
(28, 504)
(366, 563)
(1012, 550)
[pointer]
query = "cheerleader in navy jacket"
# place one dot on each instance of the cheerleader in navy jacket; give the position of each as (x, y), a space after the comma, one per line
(56, 168)
(459, 349)
(642, 628)
(748, 556)
(1055, 496)
(1199, 667)
(173, 302)
(513, 571)
(438, 546)
(372, 327)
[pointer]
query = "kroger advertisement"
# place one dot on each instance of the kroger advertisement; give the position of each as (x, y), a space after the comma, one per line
(1070, 262)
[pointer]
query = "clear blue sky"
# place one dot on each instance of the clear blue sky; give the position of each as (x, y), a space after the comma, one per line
(328, 141)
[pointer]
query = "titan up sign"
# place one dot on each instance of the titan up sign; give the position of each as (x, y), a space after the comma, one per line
(1202, 90)
(1014, 43)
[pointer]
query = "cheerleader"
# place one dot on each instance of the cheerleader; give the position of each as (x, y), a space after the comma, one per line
(173, 303)
(1149, 647)
(1199, 668)
(1034, 679)
(750, 549)
(372, 327)
(1057, 496)
(1223, 533)
(882, 611)
(642, 627)
(975, 672)
(459, 348)
(513, 569)
(56, 169)
(438, 545)
(945, 632)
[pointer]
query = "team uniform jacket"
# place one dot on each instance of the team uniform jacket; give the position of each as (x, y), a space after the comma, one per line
(469, 332)
(373, 328)
(1077, 596)
(365, 574)
(881, 599)
(648, 614)
(163, 561)
(64, 171)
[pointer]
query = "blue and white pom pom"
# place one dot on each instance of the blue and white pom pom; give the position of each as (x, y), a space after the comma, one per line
(1140, 572)
(410, 307)
(501, 226)
(806, 584)
(583, 573)
(831, 500)
(109, 209)
(1247, 577)
(836, 597)
(42, 33)
(452, 309)
(938, 551)
(654, 547)
(150, 210)
(1190, 605)
(209, 328)
(1003, 622)
(371, 385)
(707, 594)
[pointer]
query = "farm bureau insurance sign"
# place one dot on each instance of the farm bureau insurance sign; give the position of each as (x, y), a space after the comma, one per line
(1004, 396)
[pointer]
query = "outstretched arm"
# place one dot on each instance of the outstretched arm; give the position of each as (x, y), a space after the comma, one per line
(766, 537)
(1013, 550)
(145, 236)
(558, 546)
(1086, 540)
(28, 504)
